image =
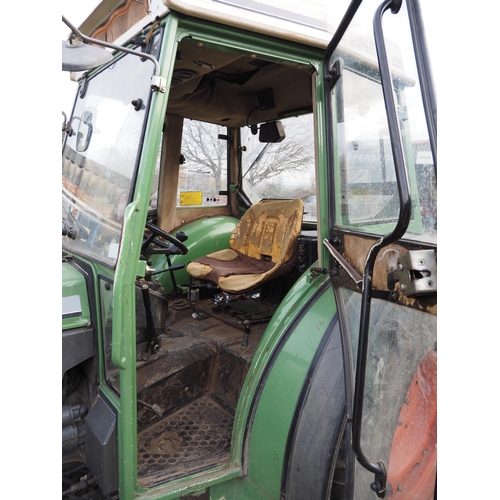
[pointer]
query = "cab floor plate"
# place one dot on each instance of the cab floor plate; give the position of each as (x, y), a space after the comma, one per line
(195, 437)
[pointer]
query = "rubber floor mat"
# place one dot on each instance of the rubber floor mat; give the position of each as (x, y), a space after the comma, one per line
(193, 438)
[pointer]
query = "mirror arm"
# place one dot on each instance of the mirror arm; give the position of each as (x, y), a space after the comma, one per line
(158, 83)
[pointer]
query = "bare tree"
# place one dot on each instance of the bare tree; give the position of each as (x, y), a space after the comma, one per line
(202, 147)
(204, 150)
(289, 156)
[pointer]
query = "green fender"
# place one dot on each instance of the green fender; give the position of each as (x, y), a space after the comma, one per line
(284, 367)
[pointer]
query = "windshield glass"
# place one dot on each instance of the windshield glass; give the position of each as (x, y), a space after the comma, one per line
(284, 169)
(101, 154)
(365, 175)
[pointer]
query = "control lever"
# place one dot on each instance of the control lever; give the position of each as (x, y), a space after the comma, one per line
(247, 333)
(171, 269)
(154, 408)
(172, 250)
(153, 342)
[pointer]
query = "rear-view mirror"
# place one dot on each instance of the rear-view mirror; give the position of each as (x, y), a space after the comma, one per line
(271, 132)
(82, 57)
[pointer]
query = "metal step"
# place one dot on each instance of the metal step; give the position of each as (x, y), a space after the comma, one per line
(195, 437)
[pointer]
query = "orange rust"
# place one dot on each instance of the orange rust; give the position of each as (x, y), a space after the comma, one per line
(412, 463)
(120, 20)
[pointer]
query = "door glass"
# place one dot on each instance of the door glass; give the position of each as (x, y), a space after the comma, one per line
(365, 181)
(402, 340)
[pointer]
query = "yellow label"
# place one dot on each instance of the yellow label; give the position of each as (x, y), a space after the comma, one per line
(190, 198)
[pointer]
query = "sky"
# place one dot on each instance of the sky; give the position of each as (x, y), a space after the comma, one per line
(75, 11)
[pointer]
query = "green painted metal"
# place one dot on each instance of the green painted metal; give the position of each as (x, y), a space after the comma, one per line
(322, 186)
(97, 269)
(239, 488)
(249, 43)
(276, 407)
(207, 235)
(127, 269)
(73, 284)
(289, 308)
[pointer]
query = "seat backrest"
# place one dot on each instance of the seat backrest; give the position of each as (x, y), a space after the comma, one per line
(269, 230)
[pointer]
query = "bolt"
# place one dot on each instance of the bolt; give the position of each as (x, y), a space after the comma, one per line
(421, 262)
(430, 283)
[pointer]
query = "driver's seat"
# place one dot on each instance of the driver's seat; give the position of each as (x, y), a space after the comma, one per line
(263, 245)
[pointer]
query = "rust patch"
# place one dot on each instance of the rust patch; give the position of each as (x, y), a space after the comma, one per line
(356, 250)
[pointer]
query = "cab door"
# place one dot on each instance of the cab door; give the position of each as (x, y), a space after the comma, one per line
(382, 244)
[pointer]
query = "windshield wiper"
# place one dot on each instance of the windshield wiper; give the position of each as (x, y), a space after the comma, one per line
(257, 158)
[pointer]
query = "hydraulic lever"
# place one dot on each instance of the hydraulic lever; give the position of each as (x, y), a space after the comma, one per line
(153, 342)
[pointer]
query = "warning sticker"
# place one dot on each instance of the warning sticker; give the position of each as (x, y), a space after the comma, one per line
(190, 198)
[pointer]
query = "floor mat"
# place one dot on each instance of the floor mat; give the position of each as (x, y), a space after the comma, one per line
(195, 437)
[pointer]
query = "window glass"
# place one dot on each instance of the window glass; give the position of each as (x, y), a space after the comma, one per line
(366, 190)
(203, 170)
(370, 190)
(101, 154)
(282, 170)
(400, 339)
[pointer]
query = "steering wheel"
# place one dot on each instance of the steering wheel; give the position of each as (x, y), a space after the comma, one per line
(165, 247)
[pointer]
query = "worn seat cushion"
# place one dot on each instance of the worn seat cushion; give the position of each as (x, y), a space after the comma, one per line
(263, 245)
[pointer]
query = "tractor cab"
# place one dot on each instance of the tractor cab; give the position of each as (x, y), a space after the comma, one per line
(249, 253)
